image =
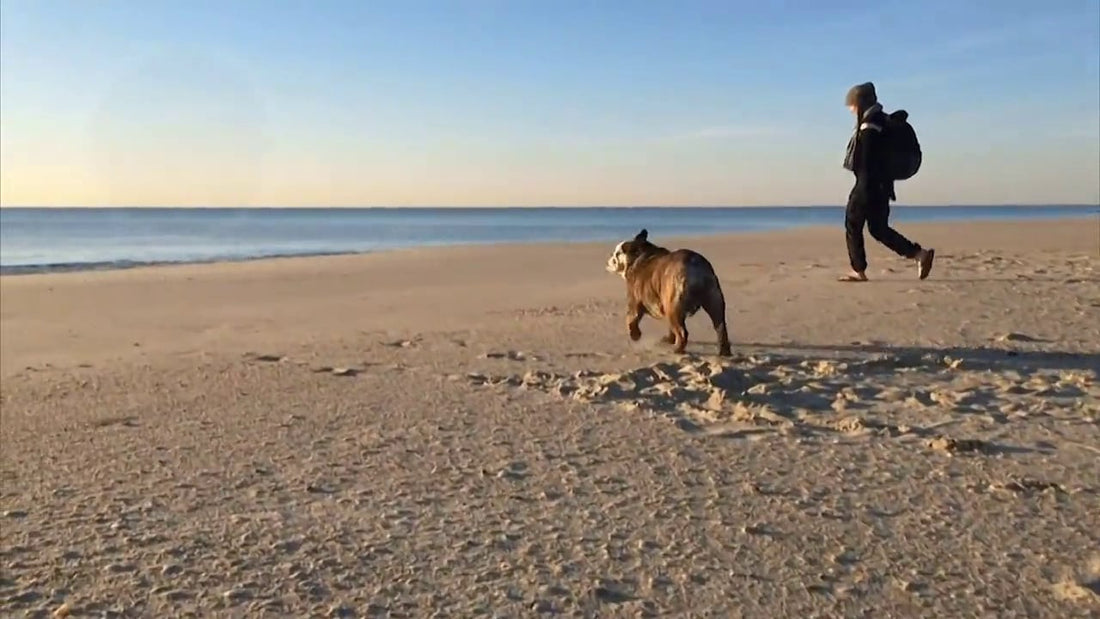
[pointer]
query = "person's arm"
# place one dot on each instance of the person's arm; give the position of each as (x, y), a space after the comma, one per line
(871, 176)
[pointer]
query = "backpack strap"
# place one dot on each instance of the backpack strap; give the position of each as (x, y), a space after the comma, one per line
(868, 125)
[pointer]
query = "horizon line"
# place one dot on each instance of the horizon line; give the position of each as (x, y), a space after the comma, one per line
(536, 206)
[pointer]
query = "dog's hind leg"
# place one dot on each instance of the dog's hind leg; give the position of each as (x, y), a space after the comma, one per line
(677, 322)
(715, 307)
(670, 338)
(634, 313)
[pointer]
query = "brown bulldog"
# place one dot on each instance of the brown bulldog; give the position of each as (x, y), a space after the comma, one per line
(671, 285)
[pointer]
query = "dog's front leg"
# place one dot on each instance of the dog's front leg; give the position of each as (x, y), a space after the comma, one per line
(634, 313)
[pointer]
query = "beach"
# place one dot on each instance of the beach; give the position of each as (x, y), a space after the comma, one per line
(467, 431)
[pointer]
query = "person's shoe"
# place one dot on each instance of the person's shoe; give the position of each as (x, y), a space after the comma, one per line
(924, 262)
(854, 276)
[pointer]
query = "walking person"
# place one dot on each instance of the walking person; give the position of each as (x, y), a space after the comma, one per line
(869, 158)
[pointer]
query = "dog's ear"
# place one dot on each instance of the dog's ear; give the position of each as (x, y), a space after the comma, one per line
(642, 236)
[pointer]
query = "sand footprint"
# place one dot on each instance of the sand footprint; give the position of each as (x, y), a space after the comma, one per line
(736, 431)
(1018, 337)
(511, 355)
(409, 343)
(264, 357)
(337, 371)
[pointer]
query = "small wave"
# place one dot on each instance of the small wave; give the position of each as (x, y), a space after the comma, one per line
(115, 265)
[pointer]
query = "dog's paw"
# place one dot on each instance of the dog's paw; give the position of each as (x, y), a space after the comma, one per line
(635, 333)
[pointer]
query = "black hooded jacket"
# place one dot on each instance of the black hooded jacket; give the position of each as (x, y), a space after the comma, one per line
(866, 158)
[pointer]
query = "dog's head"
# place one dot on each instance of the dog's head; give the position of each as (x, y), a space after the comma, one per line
(627, 253)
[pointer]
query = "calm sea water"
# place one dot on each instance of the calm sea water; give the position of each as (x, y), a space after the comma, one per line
(85, 238)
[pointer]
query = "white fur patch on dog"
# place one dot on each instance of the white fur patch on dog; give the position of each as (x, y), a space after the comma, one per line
(617, 262)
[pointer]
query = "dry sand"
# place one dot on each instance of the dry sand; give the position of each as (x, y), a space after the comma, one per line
(468, 431)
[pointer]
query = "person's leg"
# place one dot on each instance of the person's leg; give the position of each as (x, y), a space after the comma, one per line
(854, 220)
(878, 224)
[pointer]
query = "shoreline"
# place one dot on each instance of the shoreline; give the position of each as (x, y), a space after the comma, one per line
(125, 265)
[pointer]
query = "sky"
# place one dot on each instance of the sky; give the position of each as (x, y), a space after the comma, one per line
(538, 103)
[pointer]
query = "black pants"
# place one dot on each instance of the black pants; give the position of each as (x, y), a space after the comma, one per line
(875, 213)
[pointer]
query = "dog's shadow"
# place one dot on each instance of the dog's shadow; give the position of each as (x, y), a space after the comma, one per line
(974, 357)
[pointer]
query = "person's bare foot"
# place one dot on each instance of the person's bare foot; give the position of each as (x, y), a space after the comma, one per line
(924, 262)
(854, 276)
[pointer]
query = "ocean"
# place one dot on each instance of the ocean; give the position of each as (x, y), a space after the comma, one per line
(51, 239)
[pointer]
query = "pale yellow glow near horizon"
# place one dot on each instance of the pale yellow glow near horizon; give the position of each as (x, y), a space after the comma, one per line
(594, 177)
(461, 173)
(246, 164)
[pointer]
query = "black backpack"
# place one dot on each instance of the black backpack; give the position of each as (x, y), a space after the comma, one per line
(904, 154)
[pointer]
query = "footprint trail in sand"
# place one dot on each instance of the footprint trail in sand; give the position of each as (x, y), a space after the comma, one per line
(885, 395)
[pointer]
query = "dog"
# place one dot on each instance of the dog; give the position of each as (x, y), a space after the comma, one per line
(671, 285)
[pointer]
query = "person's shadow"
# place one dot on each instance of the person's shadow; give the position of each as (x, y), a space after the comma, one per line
(974, 357)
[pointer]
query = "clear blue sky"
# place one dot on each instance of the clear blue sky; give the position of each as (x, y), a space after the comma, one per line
(555, 102)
